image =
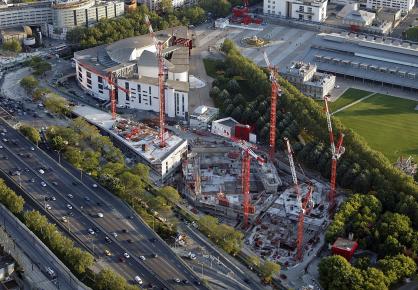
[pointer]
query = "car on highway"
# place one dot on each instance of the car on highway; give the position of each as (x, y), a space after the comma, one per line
(5, 140)
(126, 255)
(32, 149)
(177, 280)
(138, 280)
(94, 185)
(283, 276)
(53, 198)
(86, 198)
(70, 195)
(108, 253)
(41, 171)
(55, 183)
(130, 241)
(64, 219)
(32, 180)
(125, 231)
(142, 258)
(1, 147)
(43, 183)
(115, 235)
(108, 240)
(185, 281)
(155, 255)
(100, 215)
(91, 232)
(48, 207)
(69, 206)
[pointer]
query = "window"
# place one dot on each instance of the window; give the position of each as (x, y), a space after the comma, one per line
(80, 75)
(139, 94)
(100, 80)
(149, 90)
(150, 100)
(309, 17)
(309, 9)
(182, 102)
(89, 81)
(177, 102)
(300, 17)
(88, 74)
(301, 8)
(127, 89)
(100, 87)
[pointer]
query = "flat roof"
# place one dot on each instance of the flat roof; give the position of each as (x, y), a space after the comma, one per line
(230, 122)
(146, 136)
(344, 244)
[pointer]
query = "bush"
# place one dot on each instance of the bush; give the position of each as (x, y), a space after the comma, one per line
(12, 45)
(31, 133)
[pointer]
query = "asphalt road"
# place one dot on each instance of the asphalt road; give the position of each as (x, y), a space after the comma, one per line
(86, 203)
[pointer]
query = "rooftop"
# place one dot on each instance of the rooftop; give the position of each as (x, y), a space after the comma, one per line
(142, 139)
(204, 113)
(344, 244)
(229, 122)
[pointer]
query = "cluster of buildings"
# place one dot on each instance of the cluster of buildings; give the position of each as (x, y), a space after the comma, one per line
(55, 18)
(310, 10)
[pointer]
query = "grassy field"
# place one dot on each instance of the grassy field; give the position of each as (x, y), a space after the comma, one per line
(211, 67)
(349, 96)
(389, 124)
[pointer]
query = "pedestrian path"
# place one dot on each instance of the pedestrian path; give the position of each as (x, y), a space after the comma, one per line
(353, 103)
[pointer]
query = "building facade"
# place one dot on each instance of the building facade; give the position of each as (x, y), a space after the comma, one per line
(305, 77)
(155, 4)
(56, 18)
(311, 10)
(403, 5)
(134, 64)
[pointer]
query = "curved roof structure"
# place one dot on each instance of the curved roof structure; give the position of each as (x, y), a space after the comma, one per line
(123, 51)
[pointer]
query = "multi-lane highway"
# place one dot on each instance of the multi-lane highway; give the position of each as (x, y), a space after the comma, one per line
(81, 206)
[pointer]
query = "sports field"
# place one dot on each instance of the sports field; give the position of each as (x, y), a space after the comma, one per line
(389, 124)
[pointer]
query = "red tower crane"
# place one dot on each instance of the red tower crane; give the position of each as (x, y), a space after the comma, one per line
(161, 79)
(275, 92)
(111, 86)
(336, 152)
(247, 154)
(303, 205)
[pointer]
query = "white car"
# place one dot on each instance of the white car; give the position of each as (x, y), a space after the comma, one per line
(64, 219)
(32, 149)
(1, 147)
(138, 280)
(91, 232)
(99, 214)
(126, 255)
(115, 235)
(69, 206)
(177, 280)
(70, 195)
(43, 183)
(142, 258)
(53, 198)
(41, 171)
(48, 207)
(94, 185)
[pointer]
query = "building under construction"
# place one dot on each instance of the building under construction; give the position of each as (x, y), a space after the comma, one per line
(213, 182)
(275, 235)
(140, 139)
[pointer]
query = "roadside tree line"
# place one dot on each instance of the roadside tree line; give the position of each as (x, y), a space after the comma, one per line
(241, 89)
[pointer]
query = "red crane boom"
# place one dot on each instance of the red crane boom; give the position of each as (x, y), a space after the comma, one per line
(111, 86)
(275, 92)
(336, 152)
(161, 79)
(247, 154)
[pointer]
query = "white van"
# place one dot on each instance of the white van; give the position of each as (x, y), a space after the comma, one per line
(138, 280)
(50, 272)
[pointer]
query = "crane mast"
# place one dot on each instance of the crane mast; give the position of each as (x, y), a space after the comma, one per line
(247, 154)
(275, 92)
(336, 152)
(161, 80)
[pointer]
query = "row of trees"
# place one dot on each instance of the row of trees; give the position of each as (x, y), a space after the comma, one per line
(85, 148)
(12, 45)
(242, 90)
(31, 133)
(336, 273)
(266, 269)
(223, 235)
(10, 199)
(133, 24)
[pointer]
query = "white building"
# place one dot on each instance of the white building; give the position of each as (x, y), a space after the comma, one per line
(57, 17)
(224, 127)
(202, 116)
(403, 5)
(309, 10)
(133, 62)
(154, 4)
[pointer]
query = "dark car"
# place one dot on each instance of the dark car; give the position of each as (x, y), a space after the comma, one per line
(130, 241)
(121, 259)
(108, 240)
(185, 281)
(153, 240)
(75, 183)
(99, 203)
(155, 255)
(125, 231)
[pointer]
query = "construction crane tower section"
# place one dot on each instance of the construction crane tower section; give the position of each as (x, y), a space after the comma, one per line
(275, 92)
(161, 79)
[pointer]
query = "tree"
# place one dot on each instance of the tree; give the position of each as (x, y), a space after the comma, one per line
(91, 161)
(30, 132)
(208, 224)
(10, 199)
(29, 83)
(268, 269)
(12, 45)
(397, 267)
(56, 104)
(336, 273)
(58, 143)
(166, 6)
(142, 171)
(38, 93)
(108, 279)
(74, 156)
(374, 279)
(171, 194)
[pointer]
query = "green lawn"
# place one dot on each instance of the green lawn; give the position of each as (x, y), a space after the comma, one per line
(389, 124)
(348, 97)
(211, 67)
(412, 33)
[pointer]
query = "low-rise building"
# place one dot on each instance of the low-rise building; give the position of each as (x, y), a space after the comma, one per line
(404, 5)
(308, 10)
(155, 4)
(224, 127)
(203, 116)
(305, 77)
(15, 33)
